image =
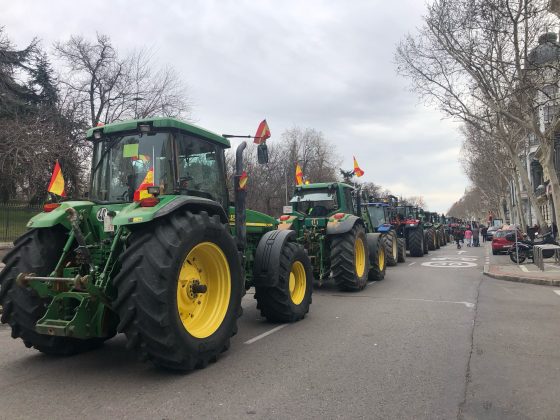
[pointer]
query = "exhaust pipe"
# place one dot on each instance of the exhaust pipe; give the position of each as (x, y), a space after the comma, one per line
(240, 195)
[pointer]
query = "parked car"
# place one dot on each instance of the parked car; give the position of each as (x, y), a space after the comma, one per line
(490, 232)
(503, 239)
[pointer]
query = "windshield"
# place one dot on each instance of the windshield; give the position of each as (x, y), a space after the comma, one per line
(315, 203)
(124, 163)
(406, 212)
(377, 215)
(124, 166)
(503, 233)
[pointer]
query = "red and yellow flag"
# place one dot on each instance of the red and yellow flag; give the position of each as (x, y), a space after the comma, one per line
(299, 175)
(243, 180)
(142, 191)
(357, 171)
(56, 186)
(263, 132)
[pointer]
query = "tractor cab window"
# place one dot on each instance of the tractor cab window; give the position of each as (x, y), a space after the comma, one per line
(377, 215)
(125, 165)
(200, 167)
(349, 200)
(315, 203)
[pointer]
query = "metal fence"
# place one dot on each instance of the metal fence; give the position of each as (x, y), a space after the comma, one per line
(14, 217)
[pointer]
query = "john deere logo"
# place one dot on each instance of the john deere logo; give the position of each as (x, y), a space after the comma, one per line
(101, 213)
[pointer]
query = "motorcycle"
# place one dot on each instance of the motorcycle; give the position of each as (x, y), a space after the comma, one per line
(524, 248)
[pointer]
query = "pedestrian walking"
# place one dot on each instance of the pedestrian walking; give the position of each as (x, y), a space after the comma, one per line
(468, 235)
(484, 232)
(476, 235)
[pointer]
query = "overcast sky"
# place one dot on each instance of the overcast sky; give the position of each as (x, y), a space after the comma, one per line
(321, 64)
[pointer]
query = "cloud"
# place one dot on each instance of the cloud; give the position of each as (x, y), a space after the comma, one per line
(321, 64)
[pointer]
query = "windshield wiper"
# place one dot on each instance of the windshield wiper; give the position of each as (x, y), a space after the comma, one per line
(104, 153)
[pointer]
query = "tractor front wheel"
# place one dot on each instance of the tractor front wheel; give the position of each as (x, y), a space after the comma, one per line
(402, 250)
(37, 251)
(391, 248)
(179, 290)
(416, 243)
(350, 259)
(289, 300)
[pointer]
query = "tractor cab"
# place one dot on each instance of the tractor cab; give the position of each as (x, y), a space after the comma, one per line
(136, 160)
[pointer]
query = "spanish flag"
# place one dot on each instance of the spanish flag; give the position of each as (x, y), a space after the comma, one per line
(243, 181)
(299, 175)
(142, 191)
(357, 171)
(263, 132)
(56, 185)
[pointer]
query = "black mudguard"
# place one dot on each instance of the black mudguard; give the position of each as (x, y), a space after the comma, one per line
(373, 242)
(196, 204)
(267, 257)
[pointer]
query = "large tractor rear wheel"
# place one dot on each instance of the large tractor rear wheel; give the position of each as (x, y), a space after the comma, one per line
(288, 301)
(179, 290)
(377, 255)
(426, 242)
(37, 252)
(431, 239)
(350, 259)
(402, 250)
(391, 248)
(416, 243)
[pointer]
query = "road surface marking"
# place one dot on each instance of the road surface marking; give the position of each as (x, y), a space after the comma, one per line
(265, 334)
(461, 252)
(467, 304)
(449, 264)
(557, 292)
(412, 263)
(523, 268)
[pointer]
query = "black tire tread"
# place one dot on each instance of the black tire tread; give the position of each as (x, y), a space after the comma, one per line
(342, 260)
(275, 303)
(388, 240)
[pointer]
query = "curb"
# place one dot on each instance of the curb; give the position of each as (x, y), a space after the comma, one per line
(519, 279)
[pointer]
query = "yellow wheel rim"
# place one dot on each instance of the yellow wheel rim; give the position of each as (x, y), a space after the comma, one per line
(359, 257)
(395, 249)
(381, 259)
(203, 290)
(298, 282)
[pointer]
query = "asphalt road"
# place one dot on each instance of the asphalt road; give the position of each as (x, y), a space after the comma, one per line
(430, 341)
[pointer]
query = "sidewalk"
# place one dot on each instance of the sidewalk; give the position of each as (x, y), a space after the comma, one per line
(525, 273)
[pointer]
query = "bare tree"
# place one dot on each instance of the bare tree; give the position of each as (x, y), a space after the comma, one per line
(104, 87)
(471, 59)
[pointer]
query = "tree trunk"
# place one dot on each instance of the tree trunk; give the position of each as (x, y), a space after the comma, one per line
(527, 184)
(520, 210)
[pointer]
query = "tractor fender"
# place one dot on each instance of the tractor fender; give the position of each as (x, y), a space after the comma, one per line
(373, 242)
(267, 257)
(346, 225)
(195, 203)
(384, 228)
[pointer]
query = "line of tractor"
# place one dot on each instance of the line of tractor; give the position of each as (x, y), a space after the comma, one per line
(156, 251)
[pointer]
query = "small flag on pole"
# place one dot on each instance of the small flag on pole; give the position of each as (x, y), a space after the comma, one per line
(263, 132)
(357, 171)
(299, 175)
(56, 186)
(243, 180)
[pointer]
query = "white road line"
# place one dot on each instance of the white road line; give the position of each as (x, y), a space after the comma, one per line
(523, 268)
(467, 304)
(461, 252)
(557, 292)
(412, 263)
(265, 334)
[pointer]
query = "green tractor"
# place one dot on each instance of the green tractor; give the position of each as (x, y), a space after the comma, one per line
(408, 223)
(155, 252)
(438, 225)
(326, 219)
(378, 214)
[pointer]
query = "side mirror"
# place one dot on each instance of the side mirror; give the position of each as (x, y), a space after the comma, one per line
(262, 153)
